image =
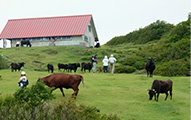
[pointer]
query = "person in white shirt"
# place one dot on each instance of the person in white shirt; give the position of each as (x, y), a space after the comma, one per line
(112, 61)
(105, 64)
(23, 80)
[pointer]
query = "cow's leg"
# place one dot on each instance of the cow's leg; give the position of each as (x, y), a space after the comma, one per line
(62, 92)
(171, 94)
(157, 97)
(166, 95)
(151, 73)
(147, 73)
(52, 89)
(75, 93)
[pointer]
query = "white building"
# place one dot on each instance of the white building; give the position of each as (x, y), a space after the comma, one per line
(60, 31)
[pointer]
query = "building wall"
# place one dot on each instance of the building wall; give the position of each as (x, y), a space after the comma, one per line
(73, 41)
(89, 37)
(5, 43)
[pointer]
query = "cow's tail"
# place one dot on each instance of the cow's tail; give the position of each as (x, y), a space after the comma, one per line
(82, 79)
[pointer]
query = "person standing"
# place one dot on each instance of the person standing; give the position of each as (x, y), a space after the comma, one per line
(94, 62)
(23, 80)
(112, 61)
(105, 64)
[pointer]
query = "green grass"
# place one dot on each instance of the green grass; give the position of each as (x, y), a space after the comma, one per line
(121, 94)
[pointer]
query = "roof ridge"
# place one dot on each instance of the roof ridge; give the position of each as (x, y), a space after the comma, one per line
(49, 17)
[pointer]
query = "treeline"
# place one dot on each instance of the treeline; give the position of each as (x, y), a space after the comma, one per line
(170, 45)
(150, 33)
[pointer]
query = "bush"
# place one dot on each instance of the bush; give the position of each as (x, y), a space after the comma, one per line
(3, 63)
(34, 104)
(174, 68)
(135, 61)
(124, 69)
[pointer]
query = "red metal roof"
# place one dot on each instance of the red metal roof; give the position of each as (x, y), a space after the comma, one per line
(46, 27)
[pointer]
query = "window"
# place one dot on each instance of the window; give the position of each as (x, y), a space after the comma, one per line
(86, 38)
(89, 28)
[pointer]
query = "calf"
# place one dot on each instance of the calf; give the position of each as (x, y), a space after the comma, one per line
(63, 66)
(150, 66)
(17, 66)
(50, 67)
(86, 66)
(160, 86)
(73, 66)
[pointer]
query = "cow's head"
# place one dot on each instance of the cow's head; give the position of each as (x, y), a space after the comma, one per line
(151, 93)
(152, 60)
(22, 64)
(78, 64)
(39, 79)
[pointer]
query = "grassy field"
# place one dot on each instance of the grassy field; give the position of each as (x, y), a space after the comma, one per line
(121, 94)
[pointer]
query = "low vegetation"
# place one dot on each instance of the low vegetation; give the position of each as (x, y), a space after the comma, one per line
(34, 104)
(168, 43)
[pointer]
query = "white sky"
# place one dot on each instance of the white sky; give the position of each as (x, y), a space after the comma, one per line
(111, 17)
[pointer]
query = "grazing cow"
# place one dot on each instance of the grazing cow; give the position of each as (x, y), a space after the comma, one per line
(150, 66)
(62, 66)
(17, 66)
(73, 66)
(86, 66)
(50, 67)
(27, 42)
(160, 86)
(62, 80)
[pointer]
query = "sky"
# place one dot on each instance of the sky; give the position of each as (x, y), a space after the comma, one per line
(111, 17)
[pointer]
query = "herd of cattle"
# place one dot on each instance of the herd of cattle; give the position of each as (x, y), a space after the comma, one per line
(63, 80)
(71, 67)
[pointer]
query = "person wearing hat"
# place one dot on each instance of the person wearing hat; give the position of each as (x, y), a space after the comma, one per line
(105, 64)
(94, 62)
(23, 80)
(112, 61)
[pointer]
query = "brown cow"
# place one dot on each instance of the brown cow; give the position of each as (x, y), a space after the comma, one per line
(62, 80)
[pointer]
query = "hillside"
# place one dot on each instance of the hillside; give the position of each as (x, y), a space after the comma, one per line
(168, 43)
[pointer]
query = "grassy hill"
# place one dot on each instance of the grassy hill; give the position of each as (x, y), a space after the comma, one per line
(168, 43)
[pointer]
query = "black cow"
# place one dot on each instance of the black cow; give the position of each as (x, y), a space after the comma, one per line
(86, 66)
(50, 67)
(62, 66)
(73, 66)
(27, 42)
(17, 66)
(150, 66)
(160, 86)
(188, 74)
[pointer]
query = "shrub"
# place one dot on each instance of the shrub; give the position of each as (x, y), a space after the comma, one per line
(173, 68)
(135, 61)
(3, 63)
(124, 69)
(33, 104)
